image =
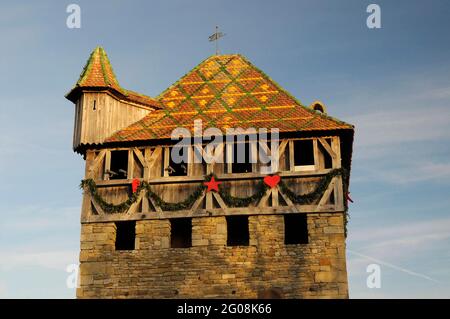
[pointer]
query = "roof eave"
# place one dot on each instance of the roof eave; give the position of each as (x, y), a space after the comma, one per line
(74, 94)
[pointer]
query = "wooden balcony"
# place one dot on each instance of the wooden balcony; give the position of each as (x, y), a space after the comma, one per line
(147, 165)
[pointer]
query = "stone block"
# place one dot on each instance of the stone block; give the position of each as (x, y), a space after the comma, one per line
(333, 230)
(324, 276)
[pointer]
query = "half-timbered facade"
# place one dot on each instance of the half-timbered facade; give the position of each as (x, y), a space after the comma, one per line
(152, 227)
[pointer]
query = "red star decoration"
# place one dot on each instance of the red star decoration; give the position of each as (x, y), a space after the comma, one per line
(213, 185)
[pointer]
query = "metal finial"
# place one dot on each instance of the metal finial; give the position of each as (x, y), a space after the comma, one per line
(215, 37)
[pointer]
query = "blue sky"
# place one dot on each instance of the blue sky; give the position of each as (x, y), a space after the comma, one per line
(392, 83)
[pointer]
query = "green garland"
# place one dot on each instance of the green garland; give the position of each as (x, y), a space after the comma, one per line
(186, 204)
(314, 195)
(120, 208)
(231, 201)
(108, 207)
(345, 178)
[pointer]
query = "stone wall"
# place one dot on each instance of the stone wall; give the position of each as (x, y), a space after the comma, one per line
(211, 269)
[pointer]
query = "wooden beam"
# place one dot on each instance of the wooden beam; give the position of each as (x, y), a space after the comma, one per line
(158, 209)
(86, 205)
(155, 155)
(275, 197)
(197, 202)
(86, 202)
(147, 155)
(335, 144)
(263, 200)
(220, 200)
(304, 209)
(140, 156)
(316, 154)
(339, 196)
(291, 156)
(286, 199)
(145, 204)
(95, 163)
(218, 151)
(166, 161)
(97, 207)
(135, 205)
(229, 159)
(253, 147)
(190, 163)
(222, 177)
(327, 147)
(210, 166)
(107, 164)
(130, 168)
(281, 148)
(209, 202)
(326, 195)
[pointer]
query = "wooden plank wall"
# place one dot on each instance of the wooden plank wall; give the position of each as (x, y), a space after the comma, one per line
(93, 126)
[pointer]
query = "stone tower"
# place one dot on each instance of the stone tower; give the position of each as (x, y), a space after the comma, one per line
(212, 226)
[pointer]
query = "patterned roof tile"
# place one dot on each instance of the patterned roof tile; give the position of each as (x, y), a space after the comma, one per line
(98, 74)
(226, 91)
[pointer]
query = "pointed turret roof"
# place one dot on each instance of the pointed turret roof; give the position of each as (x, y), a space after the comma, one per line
(227, 91)
(98, 74)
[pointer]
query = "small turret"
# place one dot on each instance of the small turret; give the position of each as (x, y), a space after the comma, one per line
(102, 106)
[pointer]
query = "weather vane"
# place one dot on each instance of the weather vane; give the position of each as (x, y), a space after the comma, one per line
(215, 37)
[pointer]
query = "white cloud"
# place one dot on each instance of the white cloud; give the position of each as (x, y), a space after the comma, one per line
(399, 247)
(365, 258)
(407, 231)
(395, 146)
(411, 171)
(392, 127)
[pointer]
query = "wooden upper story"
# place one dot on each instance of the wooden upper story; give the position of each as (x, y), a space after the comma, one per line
(303, 164)
(125, 136)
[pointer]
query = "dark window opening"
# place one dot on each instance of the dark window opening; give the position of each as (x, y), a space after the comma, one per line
(319, 107)
(328, 159)
(332, 198)
(181, 233)
(177, 169)
(125, 235)
(119, 165)
(325, 160)
(242, 158)
(237, 231)
(303, 152)
(95, 105)
(295, 229)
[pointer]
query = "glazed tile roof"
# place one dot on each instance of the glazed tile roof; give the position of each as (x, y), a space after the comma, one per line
(226, 91)
(98, 74)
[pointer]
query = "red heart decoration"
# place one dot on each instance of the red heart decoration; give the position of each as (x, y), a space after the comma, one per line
(272, 181)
